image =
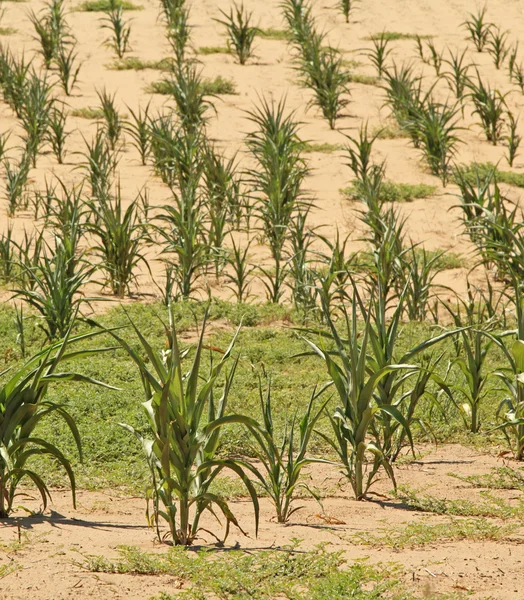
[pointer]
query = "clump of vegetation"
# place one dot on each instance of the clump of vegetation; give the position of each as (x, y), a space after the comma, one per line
(394, 192)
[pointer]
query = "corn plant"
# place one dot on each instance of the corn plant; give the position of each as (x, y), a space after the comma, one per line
(56, 134)
(182, 232)
(478, 29)
(240, 32)
(112, 125)
(435, 128)
(8, 256)
(490, 105)
(435, 58)
(23, 406)
(513, 139)
(15, 184)
(277, 181)
(380, 53)
(191, 100)
(179, 34)
(417, 281)
(4, 138)
(403, 95)
(68, 67)
(185, 421)
(99, 164)
(346, 7)
(511, 409)
(329, 80)
(355, 383)
(51, 29)
(335, 276)
(497, 46)
(35, 110)
(457, 77)
(56, 290)
(140, 132)
(513, 53)
(120, 29)
(239, 271)
(302, 276)
(19, 321)
(14, 74)
(120, 235)
(474, 345)
(359, 151)
(282, 465)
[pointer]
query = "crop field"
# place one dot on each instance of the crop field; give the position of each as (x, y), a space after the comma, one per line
(261, 300)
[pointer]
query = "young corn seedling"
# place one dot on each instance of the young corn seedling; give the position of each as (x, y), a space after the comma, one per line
(240, 32)
(140, 132)
(301, 274)
(436, 129)
(512, 60)
(478, 29)
(457, 77)
(346, 7)
(336, 276)
(56, 290)
(277, 181)
(15, 184)
(179, 34)
(473, 345)
(120, 29)
(497, 46)
(14, 75)
(417, 281)
(191, 100)
(185, 420)
(35, 112)
(329, 80)
(51, 29)
(359, 151)
(490, 107)
(282, 465)
(19, 321)
(513, 139)
(68, 71)
(8, 256)
(100, 164)
(23, 406)
(4, 137)
(380, 53)
(120, 235)
(238, 272)
(113, 124)
(56, 134)
(355, 380)
(435, 58)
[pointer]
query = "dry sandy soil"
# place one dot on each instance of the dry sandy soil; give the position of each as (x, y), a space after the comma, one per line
(54, 545)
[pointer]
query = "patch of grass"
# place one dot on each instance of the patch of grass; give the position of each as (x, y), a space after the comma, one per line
(7, 30)
(395, 192)
(321, 148)
(103, 5)
(390, 131)
(351, 63)
(132, 63)
(262, 575)
(419, 533)
(392, 36)
(207, 50)
(500, 478)
(449, 260)
(363, 79)
(218, 85)
(87, 112)
(483, 169)
(6, 570)
(274, 34)
(487, 506)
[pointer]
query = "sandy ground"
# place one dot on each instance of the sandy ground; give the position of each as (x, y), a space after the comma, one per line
(433, 222)
(54, 545)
